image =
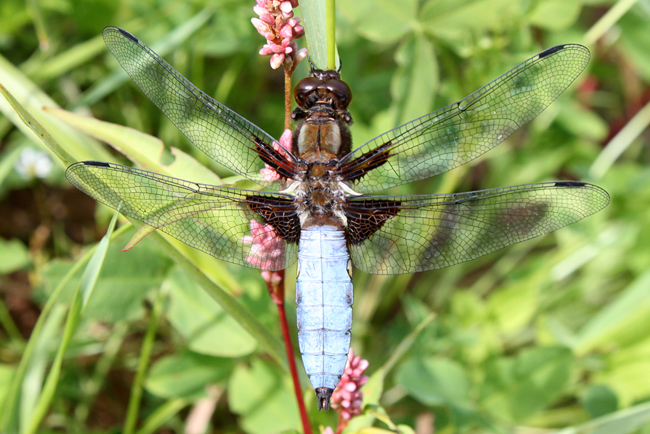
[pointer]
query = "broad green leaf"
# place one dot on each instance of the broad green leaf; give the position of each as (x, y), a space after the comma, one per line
(186, 375)
(582, 122)
(599, 400)
(516, 388)
(202, 322)
(381, 21)
(14, 255)
(455, 18)
(263, 398)
(124, 283)
(414, 85)
(143, 149)
(434, 381)
(555, 14)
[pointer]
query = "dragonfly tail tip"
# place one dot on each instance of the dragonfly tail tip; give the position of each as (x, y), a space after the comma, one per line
(323, 394)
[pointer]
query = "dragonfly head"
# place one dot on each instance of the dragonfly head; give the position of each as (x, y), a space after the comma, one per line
(323, 87)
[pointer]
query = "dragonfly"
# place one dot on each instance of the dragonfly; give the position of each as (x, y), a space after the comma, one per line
(315, 207)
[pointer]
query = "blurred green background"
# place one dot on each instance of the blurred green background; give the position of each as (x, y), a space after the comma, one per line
(545, 335)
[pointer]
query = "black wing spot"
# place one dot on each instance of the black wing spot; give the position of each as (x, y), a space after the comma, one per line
(279, 213)
(570, 184)
(128, 35)
(96, 163)
(551, 50)
(367, 217)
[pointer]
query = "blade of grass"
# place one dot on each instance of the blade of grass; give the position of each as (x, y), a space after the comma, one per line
(630, 132)
(145, 359)
(103, 366)
(37, 129)
(162, 47)
(79, 301)
(31, 99)
(11, 402)
(161, 415)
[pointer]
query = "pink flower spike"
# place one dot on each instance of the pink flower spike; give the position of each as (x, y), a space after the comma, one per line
(347, 399)
(276, 60)
(286, 7)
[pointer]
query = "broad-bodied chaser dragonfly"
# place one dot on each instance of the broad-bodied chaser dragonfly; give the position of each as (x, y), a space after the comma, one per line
(315, 208)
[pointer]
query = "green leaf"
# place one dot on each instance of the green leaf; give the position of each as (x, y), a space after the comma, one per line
(313, 15)
(434, 381)
(37, 129)
(203, 323)
(13, 256)
(515, 389)
(455, 18)
(24, 107)
(263, 398)
(125, 282)
(186, 375)
(382, 21)
(7, 373)
(143, 149)
(555, 14)
(414, 85)
(599, 400)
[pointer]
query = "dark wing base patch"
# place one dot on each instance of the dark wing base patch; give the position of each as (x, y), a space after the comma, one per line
(367, 217)
(279, 214)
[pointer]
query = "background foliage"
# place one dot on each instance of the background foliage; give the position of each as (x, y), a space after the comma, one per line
(548, 334)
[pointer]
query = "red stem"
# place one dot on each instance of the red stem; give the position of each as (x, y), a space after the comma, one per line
(306, 426)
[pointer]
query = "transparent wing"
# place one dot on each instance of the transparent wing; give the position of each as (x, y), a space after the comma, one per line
(221, 133)
(406, 234)
(459, 133)
(240, 226)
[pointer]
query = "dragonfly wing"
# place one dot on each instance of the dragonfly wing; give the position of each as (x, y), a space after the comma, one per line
(406, 234)
(221, 133)
(259, 230)
(460, 132)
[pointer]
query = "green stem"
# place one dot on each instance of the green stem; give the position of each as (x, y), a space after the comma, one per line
(145, 357)
(330, 6)
(607, 21)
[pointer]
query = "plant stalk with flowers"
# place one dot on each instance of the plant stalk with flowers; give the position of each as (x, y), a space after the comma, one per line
(280, 28)
(347, 398)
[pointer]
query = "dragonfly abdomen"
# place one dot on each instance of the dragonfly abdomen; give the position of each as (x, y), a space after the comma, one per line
(324, 298)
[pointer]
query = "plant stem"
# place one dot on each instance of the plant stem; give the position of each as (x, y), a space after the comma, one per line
(330, 23)
(145, 357)
(287, 98)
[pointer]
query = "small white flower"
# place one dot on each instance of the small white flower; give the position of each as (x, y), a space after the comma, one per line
(33, 163)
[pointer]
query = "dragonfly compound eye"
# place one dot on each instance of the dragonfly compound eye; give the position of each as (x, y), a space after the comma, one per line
(303, 89)
(341, 90)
